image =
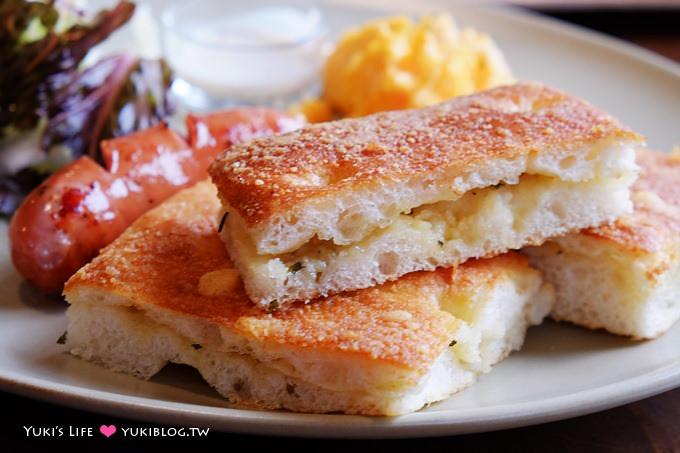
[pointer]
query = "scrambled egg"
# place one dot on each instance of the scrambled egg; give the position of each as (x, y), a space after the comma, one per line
(394, 63)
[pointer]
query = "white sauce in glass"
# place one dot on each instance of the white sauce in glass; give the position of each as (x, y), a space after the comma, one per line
(263, 53)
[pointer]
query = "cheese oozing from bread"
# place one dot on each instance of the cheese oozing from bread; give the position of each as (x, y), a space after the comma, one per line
(349, 204)
(624, 276)
(153, 297)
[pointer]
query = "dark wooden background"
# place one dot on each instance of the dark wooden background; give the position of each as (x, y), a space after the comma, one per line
(651, 425)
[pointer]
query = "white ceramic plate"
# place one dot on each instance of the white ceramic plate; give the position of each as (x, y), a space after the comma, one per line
(562, 371)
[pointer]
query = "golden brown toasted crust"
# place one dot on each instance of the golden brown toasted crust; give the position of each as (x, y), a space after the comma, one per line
(659, 173)
(268, 176)
(656, 219)
(160, 259)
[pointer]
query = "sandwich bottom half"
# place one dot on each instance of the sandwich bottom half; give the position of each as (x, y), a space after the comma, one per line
(623, 277)
(166, 292)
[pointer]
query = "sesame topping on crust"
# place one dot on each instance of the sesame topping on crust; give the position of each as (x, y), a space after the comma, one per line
(270, 175)
(655, 221)
(161, 259)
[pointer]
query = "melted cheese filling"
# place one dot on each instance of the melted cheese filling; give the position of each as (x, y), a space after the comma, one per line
(440, 229)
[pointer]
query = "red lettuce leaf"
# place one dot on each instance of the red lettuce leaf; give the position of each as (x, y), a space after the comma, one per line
(32, 71)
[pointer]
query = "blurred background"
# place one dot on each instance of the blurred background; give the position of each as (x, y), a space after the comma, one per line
(654, 24)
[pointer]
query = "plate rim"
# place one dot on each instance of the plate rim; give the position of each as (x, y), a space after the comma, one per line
(280, 423)
(419, 424)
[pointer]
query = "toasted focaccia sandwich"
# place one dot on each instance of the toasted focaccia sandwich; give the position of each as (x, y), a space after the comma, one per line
(353, 203)
(165, 291)
(625, 276)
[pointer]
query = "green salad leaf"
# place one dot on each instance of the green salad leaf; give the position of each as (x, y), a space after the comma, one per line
(66, 110)
(37, 59)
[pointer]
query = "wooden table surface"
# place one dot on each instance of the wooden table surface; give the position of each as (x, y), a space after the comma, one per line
(651, 425)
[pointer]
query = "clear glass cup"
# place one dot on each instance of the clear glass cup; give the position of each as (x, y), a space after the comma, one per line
(235, 52)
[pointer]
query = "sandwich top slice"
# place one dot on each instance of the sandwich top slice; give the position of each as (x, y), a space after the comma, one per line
(624, 276)
(348, 204)
(165, 291)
